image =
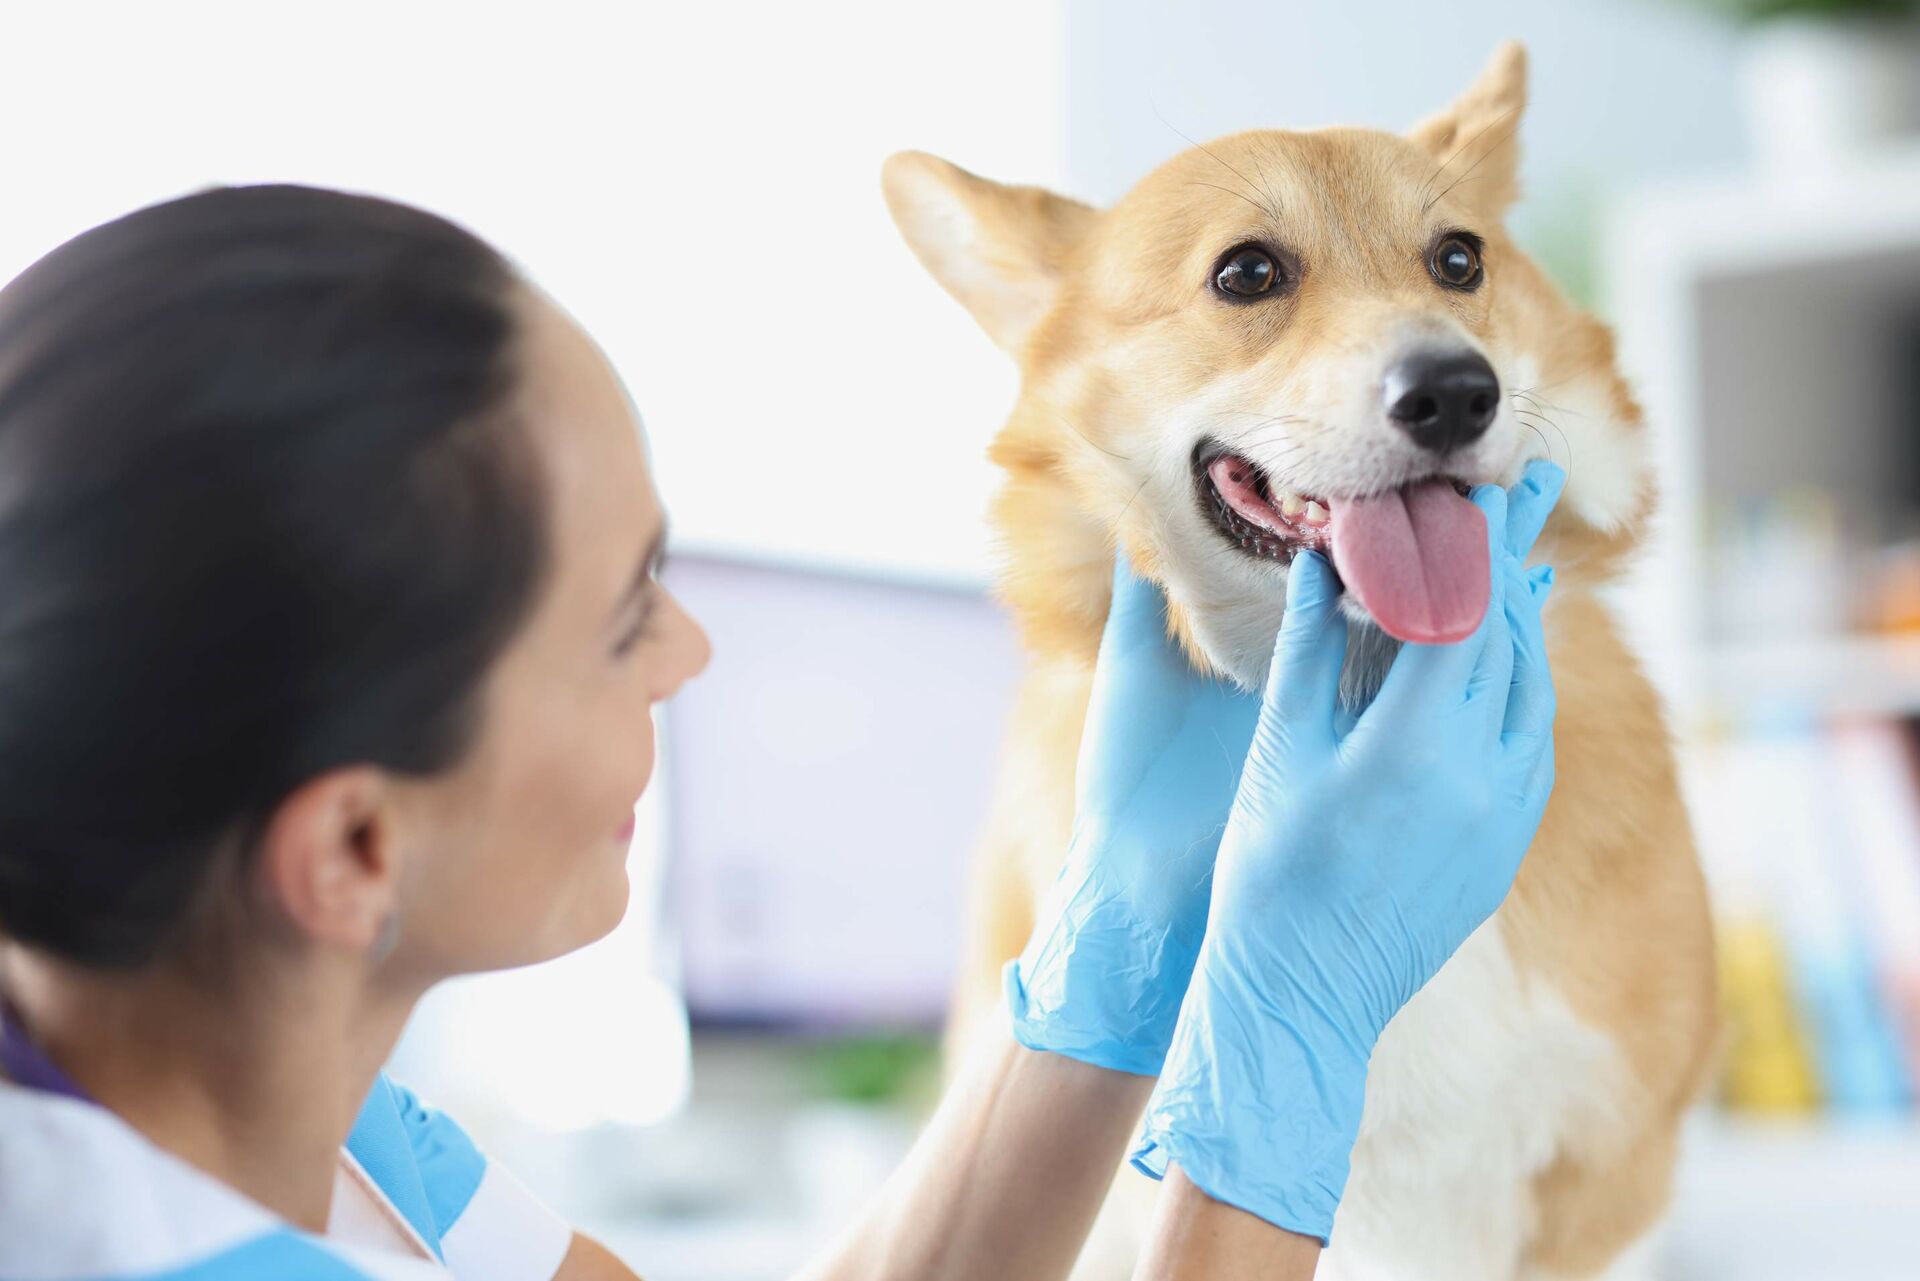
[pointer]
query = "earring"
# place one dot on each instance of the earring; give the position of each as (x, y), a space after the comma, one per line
(386, 940)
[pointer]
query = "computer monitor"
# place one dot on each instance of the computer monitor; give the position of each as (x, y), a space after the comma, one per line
(827, 780)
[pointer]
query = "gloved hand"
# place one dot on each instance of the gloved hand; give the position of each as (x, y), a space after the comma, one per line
(1102, 978)
(1354, 863)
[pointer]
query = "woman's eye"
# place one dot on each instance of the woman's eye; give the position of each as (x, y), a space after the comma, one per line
(624, 643)
(1455, 263)
(1247, 273)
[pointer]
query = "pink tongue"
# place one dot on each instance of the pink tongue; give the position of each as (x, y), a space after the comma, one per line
(1417, 559)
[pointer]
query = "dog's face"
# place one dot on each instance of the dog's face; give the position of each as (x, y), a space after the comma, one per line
(1285, 340)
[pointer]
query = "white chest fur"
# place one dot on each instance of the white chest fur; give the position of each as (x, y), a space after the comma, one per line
(1478, 1085)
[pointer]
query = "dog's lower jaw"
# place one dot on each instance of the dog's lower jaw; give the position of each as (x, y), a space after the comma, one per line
(1240, 640)
(1370, 653)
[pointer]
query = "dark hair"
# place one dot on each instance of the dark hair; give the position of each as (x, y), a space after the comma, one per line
(265, 510)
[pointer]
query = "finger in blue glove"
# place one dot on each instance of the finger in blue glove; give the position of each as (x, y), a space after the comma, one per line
(1102, 977)
(1352, 867)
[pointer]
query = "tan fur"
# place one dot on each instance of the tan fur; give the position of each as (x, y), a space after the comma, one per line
(1119, 340)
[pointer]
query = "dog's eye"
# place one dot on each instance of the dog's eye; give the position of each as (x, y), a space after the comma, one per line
(1247, 272)
(1455, 262)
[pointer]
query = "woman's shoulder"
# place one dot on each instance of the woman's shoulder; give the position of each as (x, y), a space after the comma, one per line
(82, 1194)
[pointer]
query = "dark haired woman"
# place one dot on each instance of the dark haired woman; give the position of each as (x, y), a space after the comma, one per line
(329, 634)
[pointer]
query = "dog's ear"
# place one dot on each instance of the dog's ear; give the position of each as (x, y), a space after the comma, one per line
(1476, 140)
(1000, 250)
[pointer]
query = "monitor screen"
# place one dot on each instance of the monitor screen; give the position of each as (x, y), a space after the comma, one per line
(827, 781)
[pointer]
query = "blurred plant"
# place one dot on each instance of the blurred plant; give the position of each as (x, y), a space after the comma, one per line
(1559, 224)
(877, 1069)
(1763, 10)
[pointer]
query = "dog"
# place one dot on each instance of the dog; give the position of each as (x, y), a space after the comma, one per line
(1267, 336)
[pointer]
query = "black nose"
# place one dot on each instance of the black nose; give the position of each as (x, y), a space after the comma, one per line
(1443, 399)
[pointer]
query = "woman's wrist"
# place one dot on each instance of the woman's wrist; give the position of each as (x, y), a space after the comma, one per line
(1259, 1106)
(1196, 1237)
(1103, 977)
(1007, 1177)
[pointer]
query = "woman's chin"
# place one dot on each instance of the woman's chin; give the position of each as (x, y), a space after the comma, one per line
(594, 907)
(606, 909)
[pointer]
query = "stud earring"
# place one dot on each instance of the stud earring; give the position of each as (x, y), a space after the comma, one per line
(386, 940)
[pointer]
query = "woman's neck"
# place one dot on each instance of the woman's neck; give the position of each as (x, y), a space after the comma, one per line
(258, 1085)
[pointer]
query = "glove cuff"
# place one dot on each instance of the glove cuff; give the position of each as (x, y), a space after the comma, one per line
(1104, 974)
(1260, 1112)
(1077, 1032)
(1304, 1204)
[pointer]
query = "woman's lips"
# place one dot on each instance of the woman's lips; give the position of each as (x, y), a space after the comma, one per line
(627, 829)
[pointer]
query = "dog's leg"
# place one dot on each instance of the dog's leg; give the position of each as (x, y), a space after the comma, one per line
(1022, 842)
(1638, 1262)
(999, 918)
(1388, 1230)
(1599, 1222)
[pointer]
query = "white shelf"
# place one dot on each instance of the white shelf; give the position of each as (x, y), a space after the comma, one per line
(1739, 224)
(1760, 1201)
(1862, 675)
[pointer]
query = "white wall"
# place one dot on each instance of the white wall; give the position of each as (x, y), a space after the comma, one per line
(699, 184)
(1622, 89)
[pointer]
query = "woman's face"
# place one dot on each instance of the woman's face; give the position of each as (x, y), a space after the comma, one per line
(521, 852)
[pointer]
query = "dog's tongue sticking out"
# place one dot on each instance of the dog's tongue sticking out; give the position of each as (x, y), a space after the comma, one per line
(1417, 559)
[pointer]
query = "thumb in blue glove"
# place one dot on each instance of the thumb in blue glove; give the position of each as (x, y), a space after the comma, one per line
(1354, 863)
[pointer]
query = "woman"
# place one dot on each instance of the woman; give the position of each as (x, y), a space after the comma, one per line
(329, 634)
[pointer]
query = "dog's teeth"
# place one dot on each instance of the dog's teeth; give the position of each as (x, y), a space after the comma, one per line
(1316, 514)
(1290, 505)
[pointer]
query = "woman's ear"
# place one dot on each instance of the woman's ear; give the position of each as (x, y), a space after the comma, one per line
(1000, 250)
(1476, 140)
(328, 859)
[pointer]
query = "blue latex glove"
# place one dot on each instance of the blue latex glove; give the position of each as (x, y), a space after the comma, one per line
(1354, 863)
(1103, 976)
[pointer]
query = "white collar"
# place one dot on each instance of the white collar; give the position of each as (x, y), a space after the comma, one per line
(84, 1194)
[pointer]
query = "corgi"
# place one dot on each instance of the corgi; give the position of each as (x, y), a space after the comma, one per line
(1320, 339)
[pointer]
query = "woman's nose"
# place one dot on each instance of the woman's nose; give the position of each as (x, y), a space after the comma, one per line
(688, 649)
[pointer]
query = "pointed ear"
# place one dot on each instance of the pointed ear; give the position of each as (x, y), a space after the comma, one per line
(1000, 250)
(1476, 140)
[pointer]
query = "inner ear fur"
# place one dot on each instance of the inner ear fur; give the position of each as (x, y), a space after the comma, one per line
(1001, 250)
(1476, 140)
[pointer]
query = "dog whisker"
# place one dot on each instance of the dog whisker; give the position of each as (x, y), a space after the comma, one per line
(1272, 201)
(1544, 442)
(1265, 416)
(1130, 501)
(1526, 416)
(1558, 382)
(1538, 403)
(1271, 209)
(1065, 421)
(1231, 192)
(1503, 116)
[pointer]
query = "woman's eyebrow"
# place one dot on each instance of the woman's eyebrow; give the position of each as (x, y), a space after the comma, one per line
(651, 562)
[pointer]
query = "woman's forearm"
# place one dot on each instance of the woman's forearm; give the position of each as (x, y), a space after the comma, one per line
(1196, 1238)
(1007, 1178)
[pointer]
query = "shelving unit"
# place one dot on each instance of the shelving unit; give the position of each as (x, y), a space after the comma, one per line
(1761, 324)
(1753, 319)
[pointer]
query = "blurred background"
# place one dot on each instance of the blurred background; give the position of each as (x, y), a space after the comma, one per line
(717, 1087)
